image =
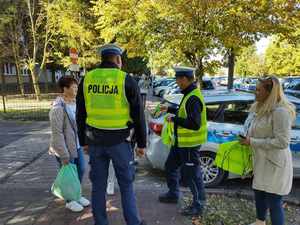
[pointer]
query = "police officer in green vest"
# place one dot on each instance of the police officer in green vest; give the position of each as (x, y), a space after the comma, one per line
(108, 106)
(190, 132)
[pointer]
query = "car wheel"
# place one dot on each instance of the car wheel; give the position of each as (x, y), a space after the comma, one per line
(212, 175)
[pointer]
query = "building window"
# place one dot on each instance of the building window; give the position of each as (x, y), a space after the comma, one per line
(24, 71)
(9, 69)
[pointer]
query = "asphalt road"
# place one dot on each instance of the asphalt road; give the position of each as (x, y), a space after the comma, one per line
(13, 130)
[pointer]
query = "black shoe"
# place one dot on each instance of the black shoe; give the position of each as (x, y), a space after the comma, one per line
(166, 198)
(192, 211)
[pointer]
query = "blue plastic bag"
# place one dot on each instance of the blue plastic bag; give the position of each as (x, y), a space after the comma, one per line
(67, 185)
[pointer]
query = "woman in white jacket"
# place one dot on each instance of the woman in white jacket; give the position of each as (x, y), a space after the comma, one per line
(267, 130)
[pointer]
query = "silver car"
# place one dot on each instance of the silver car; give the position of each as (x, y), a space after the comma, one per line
(226, 113)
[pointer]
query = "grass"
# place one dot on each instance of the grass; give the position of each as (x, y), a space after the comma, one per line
(223, 210)
(26, 108)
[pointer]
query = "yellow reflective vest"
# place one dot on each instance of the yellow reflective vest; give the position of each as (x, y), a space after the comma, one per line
(187, 137)
(105, 99)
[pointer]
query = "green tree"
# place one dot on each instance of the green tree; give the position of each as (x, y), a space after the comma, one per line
(249, 63)
(135, 65)
(10, 37)
(283, 58)
(73, 24)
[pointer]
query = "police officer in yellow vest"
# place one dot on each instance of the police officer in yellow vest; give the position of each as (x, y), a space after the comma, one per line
(190, 131)
(108, 106)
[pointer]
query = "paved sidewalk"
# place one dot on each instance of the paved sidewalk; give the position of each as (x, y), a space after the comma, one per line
(11, 130)
(27, 199)
(28, 171)
(22, 152)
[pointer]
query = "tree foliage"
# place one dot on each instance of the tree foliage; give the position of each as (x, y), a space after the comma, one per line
(283, 58)
(249, 63)
(191, 32)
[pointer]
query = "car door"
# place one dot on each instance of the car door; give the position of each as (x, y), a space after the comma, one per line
(295, 143)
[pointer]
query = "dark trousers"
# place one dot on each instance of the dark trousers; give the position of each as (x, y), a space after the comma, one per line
(273, 202)
(188, 159)
(123, 162)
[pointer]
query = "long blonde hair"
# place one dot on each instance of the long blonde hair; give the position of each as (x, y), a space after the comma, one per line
(276, 98)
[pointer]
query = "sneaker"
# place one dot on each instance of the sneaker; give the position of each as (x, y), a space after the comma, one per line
(74, 206)
(84, 202)
(167, 198)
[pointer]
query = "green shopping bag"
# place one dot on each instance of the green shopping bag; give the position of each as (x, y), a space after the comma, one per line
(235, 158)
(167, 133)
(67, 185)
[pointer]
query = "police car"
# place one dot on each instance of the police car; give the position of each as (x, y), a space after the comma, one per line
(226, 113)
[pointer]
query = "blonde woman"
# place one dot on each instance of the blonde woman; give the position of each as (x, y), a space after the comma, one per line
(268, 130)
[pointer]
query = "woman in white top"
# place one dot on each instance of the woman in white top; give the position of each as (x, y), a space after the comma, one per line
(268, 131)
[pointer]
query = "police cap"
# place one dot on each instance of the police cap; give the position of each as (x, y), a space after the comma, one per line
(110, 49)
(184, 71)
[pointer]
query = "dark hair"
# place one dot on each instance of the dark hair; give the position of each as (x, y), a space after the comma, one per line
(66, 81)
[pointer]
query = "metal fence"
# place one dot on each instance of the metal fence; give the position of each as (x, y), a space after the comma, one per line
(14, 105)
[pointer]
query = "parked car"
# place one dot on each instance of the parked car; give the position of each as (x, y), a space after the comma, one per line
(159, 87)
(168, 89)
(207, 84)
(288, 81)
(226, 113)
(293, 89)
(246, 84)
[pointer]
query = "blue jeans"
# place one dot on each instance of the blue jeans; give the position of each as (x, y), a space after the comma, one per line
(79, 162)
(273, 202)
(123, 161)
(188, 159)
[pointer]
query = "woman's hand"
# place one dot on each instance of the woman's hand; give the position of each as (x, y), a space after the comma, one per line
(65, 162)
(170, 118)
(245, 141)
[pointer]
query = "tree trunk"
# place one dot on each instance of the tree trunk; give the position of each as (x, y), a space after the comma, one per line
(20, 79)
(231, 60)
(32, 66)
(35, 81)
(199, 70)
(2, 87)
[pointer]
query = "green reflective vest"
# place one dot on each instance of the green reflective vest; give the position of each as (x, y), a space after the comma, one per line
(105, 99)
(187, 137)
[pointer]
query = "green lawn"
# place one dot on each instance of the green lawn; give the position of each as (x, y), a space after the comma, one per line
(26, 108)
